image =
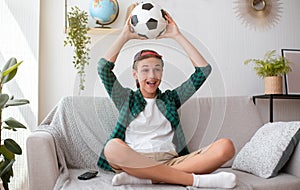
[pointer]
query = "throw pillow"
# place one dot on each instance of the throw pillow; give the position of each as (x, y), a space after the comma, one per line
(269, 149)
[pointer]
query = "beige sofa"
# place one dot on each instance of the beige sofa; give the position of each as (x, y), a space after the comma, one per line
(69, 141)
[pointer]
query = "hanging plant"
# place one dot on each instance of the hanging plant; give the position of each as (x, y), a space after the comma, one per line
(77, 37)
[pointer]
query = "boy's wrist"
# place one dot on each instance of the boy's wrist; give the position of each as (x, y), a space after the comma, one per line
(124, 38)
(179, 36)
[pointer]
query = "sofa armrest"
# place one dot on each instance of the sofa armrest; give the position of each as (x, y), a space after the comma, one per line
(41, 161)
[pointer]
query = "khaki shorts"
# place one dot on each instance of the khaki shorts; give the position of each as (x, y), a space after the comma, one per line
(167, 158)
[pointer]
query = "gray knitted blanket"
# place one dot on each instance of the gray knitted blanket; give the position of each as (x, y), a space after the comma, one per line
(79, 132)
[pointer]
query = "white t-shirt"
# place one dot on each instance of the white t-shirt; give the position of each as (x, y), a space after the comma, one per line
(150, 131)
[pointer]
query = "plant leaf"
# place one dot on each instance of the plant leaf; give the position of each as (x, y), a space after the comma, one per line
(12, 146)
(6, 166)
(9, 128)
(16, 102)
(12, 123)
(6, 153)
(9, 70)
(3, 99)
(9, 63)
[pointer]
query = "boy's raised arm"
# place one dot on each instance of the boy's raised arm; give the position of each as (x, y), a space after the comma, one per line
(125, 35)
(174, 33)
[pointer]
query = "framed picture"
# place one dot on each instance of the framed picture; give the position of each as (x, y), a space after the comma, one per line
(291, 79)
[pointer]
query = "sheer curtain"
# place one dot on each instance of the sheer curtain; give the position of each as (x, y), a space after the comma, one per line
(19, 37)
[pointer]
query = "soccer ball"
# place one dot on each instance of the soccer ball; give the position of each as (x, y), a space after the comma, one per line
(148, 20)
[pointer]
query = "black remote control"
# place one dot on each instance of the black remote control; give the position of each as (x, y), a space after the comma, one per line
(88, 175)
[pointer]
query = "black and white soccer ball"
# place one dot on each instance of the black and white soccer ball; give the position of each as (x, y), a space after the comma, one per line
(148, 20)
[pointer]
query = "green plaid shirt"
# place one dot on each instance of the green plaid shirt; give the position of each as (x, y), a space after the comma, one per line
(130, 103)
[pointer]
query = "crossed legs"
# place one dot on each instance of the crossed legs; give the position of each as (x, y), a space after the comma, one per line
(121, 156)
(210, 159)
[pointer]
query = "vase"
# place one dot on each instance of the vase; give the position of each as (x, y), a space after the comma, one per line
(273, 85)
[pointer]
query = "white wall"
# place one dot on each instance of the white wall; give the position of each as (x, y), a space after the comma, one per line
(211, 25)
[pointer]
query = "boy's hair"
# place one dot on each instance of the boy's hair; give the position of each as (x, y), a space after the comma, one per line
(144, 54)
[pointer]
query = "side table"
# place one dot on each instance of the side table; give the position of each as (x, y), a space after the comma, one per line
(271, 97)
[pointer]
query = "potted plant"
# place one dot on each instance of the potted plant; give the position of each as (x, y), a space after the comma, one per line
(8, 147)
(271, 68)
(78, 38)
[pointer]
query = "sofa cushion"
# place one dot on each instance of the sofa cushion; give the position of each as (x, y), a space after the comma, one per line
(269, 149)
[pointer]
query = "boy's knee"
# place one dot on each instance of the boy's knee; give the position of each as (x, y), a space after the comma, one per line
(228, 150)
(114, 149)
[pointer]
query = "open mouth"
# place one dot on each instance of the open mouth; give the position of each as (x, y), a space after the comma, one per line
(151, 83)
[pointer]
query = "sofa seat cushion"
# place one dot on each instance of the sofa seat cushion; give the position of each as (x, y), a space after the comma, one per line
(103, 181)
(248, 181)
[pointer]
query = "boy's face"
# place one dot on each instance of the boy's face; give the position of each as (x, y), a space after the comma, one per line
(149, 74)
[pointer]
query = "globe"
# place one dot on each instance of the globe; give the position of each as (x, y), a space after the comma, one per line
(104, 11)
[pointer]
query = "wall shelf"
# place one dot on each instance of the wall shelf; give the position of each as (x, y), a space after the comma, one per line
(101, 31)
(271, 97)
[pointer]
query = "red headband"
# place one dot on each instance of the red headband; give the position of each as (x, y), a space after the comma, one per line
(150, 53)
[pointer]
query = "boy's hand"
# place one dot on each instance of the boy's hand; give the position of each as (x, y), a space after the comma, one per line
(171, 30)
(127, 31)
